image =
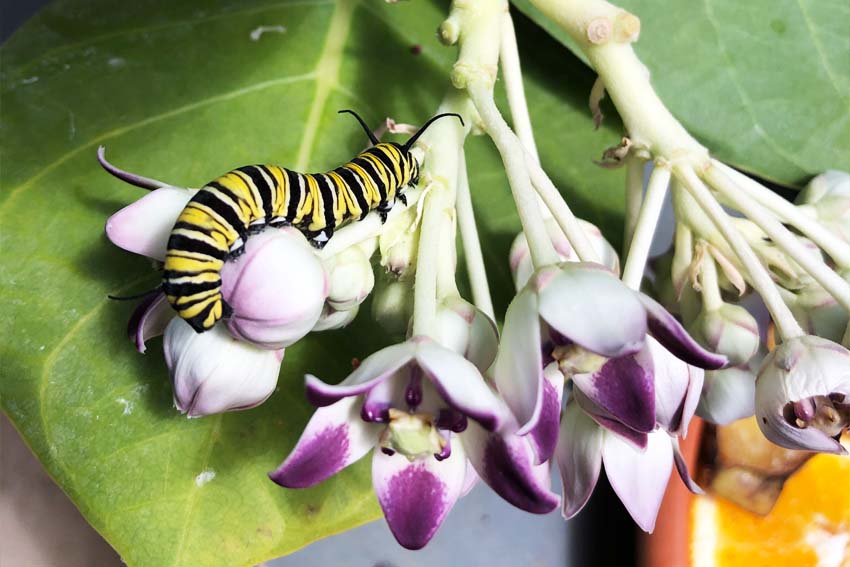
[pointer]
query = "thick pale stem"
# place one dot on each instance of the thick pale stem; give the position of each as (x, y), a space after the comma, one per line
(711, 297)
(605, 32)
(480, 34)
(834, 284)
(440, 145)
(471, 244)
(834, 247)
(648, 217)
(786, 325)
(512, 75)
(561, 212)
(634, 197)
(513, 157)
(447, 269)
(427, 263)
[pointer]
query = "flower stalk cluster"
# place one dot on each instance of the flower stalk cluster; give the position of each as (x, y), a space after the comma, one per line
(588, 370)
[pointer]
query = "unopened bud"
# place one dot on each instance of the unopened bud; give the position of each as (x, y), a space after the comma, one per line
(350, 277)
(277, 289)
(466, 330)
(729, 330)
(399, 242)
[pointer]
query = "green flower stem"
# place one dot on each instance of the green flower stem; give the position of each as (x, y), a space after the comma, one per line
(561, 211)
(441, 145)
(478, 26)
(683, 250)
(634, 197)
(786, 325)
(647, 221)
(711, 297)
(605, 33)
(512, 79)
(475, 267)
(789, 213)
(834, 284)
(427, 262)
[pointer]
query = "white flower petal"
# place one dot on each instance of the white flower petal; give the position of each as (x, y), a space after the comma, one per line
(212, 372)
(517, 370)
(639, 478)
(143, 227)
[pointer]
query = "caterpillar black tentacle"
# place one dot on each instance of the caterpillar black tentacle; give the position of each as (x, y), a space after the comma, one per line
(220, 218)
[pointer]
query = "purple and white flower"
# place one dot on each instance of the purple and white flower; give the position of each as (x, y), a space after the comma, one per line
(638, 460)
(803, 394)
(426, 410)
(581, 317)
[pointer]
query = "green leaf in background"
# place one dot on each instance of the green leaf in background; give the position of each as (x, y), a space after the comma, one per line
(765, 84)
(182, 92)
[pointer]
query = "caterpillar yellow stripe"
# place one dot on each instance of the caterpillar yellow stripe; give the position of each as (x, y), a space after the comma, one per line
(219, 218)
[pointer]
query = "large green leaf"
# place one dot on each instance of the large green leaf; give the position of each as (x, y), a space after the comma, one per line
(180, 92)
(764, 83)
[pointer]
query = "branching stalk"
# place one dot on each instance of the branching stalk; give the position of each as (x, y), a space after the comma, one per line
(512, 78)
(786, 325)
(834, 284)
(834, 247)
(561, 211)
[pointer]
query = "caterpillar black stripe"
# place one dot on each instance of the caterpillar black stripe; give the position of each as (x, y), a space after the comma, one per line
(219, 218)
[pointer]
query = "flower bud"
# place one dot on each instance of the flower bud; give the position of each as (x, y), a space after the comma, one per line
(212, 372)
(351, 278)
(803, 394)
(399, 242)
(727, 395)
(392, 304)
(819, 313)
(332, 319)
(729, 330)
(277, 289)
(520, 256)
(827, 196)
(463, 328)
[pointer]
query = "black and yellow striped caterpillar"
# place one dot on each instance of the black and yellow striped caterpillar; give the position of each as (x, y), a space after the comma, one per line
(217, 221)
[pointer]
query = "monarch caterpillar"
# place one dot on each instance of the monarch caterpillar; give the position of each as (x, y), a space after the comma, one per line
(217, 221)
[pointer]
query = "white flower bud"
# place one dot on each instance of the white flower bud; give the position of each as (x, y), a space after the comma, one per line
(729, 330)
(819, 313)
(277, 289)
(351, 278)
(212, 372)
(520, 257)
(333, 319)
(727, 395)
(827, 197)
(399, 242)
(463, 328)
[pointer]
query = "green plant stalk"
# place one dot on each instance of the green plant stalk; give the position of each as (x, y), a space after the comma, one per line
(647, 221)
(475, 266)
(786, 324)
(789, 213)
(834, 284)
(478, 26)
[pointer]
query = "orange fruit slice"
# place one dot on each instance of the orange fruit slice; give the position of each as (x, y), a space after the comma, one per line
(809, 526)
